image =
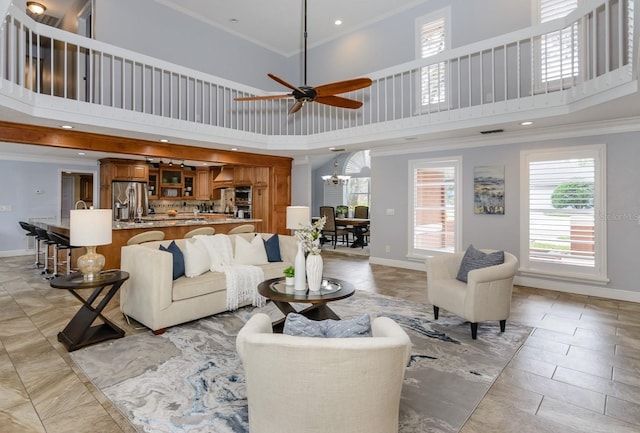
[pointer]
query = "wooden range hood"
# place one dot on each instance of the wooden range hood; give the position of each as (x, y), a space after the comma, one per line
(224, 176)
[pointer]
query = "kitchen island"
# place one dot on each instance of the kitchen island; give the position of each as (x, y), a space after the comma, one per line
(173, 227)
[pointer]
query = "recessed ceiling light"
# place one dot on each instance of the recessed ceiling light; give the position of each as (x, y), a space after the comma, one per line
(81, 153)
(164, 140)
(36, 8)
(526, 123)
(66, 127)
(338, 22)
(234, 148)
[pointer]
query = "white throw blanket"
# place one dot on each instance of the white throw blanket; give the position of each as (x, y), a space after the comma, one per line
(242, 280)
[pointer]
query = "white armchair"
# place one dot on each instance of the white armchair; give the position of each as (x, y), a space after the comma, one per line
(485, 296)
(319, 385)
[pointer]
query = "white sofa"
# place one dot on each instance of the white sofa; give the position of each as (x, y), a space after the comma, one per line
(323, 385)
(153, 298)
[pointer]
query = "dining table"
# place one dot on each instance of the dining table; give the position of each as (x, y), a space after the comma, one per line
(359, 225)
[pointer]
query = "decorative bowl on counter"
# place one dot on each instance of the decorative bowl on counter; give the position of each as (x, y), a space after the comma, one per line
(172, 212)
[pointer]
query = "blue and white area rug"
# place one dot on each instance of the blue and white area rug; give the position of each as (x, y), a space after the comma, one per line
(190, 379)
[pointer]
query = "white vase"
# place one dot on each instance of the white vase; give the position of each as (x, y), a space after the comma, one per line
(314, 272)
(300, 277)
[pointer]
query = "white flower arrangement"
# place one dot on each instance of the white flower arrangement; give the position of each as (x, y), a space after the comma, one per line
(309, 236)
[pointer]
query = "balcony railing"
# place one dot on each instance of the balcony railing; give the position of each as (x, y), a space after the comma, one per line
(510, 73)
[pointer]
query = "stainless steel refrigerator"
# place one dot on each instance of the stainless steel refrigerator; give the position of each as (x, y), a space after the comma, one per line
(128, 198)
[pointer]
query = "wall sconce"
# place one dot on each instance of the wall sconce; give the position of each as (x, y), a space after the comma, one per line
(36, 8)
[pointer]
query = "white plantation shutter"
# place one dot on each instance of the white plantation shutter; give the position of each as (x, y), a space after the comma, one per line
(432, 38)
(562, 201)
(629, 21)
(553, 9)
(432, 35)
(559, 51)
(435, 185)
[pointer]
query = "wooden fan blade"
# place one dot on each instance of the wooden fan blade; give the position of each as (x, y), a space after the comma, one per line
(295, 107)
(284, 83)
(264, 98)
(342, 86)
(338, 101)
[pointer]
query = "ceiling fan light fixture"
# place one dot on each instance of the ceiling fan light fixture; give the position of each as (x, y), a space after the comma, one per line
(324, 94)
(36, 8)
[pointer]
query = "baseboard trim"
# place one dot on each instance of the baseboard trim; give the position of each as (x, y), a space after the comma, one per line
(15, 253)
(578, 289)
(537, 283)
(414, 266)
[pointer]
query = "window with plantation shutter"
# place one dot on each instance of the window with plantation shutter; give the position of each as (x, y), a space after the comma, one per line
(431, 35)
(562, 197)
(435, 192)
(558, 52)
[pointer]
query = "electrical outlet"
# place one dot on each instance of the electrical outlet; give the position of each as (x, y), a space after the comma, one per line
(391, 211)
(5, 208)
(387, 248)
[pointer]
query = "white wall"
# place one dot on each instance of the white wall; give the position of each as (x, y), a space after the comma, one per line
(22, 180)
(153, 29)
(502, 231)
(150, 28)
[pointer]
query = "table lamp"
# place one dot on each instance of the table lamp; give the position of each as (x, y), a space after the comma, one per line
(90, 228)
(299, 217)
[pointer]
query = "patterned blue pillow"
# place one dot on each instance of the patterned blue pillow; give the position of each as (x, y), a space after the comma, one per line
(272, 247)
(178, 259)
(298, 325)
(476, 259)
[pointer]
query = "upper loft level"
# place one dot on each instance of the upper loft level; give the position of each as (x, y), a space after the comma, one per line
(562, 66)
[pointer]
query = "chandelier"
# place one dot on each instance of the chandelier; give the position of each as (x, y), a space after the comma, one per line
(335, 178)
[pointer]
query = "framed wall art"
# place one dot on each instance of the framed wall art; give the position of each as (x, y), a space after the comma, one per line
(488, 189)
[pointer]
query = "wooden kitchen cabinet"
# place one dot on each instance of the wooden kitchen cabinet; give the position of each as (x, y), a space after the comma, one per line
(203, 184)
(154, 175)
(122, 169)
(243, 176)
(171, 183)
(86, 188)
(189, 180)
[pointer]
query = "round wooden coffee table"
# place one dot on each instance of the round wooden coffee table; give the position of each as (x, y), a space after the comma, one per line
(283, 296)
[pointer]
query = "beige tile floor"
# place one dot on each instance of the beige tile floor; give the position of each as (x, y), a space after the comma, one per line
(579, 371)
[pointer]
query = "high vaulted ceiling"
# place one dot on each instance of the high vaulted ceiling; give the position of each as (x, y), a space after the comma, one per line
(277, 24)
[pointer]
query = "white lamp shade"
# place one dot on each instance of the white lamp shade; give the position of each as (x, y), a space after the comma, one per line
(90, 227)
(298, 217)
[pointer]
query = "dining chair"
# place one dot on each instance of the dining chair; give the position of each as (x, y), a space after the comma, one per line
(361, 212)
(330, 228)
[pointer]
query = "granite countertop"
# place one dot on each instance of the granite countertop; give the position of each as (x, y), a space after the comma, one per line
(170, 222)
(63, 223)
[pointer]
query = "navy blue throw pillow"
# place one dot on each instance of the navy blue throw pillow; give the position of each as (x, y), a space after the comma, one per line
(272, 247)
(178, 259)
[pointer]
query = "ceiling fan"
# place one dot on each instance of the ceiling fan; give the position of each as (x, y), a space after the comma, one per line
(324, 94)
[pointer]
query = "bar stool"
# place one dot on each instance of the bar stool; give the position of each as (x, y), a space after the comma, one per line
(245, 228)
(31, 233)
(62, 243)
(200, 231)
(44, 240)
(148, 236)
